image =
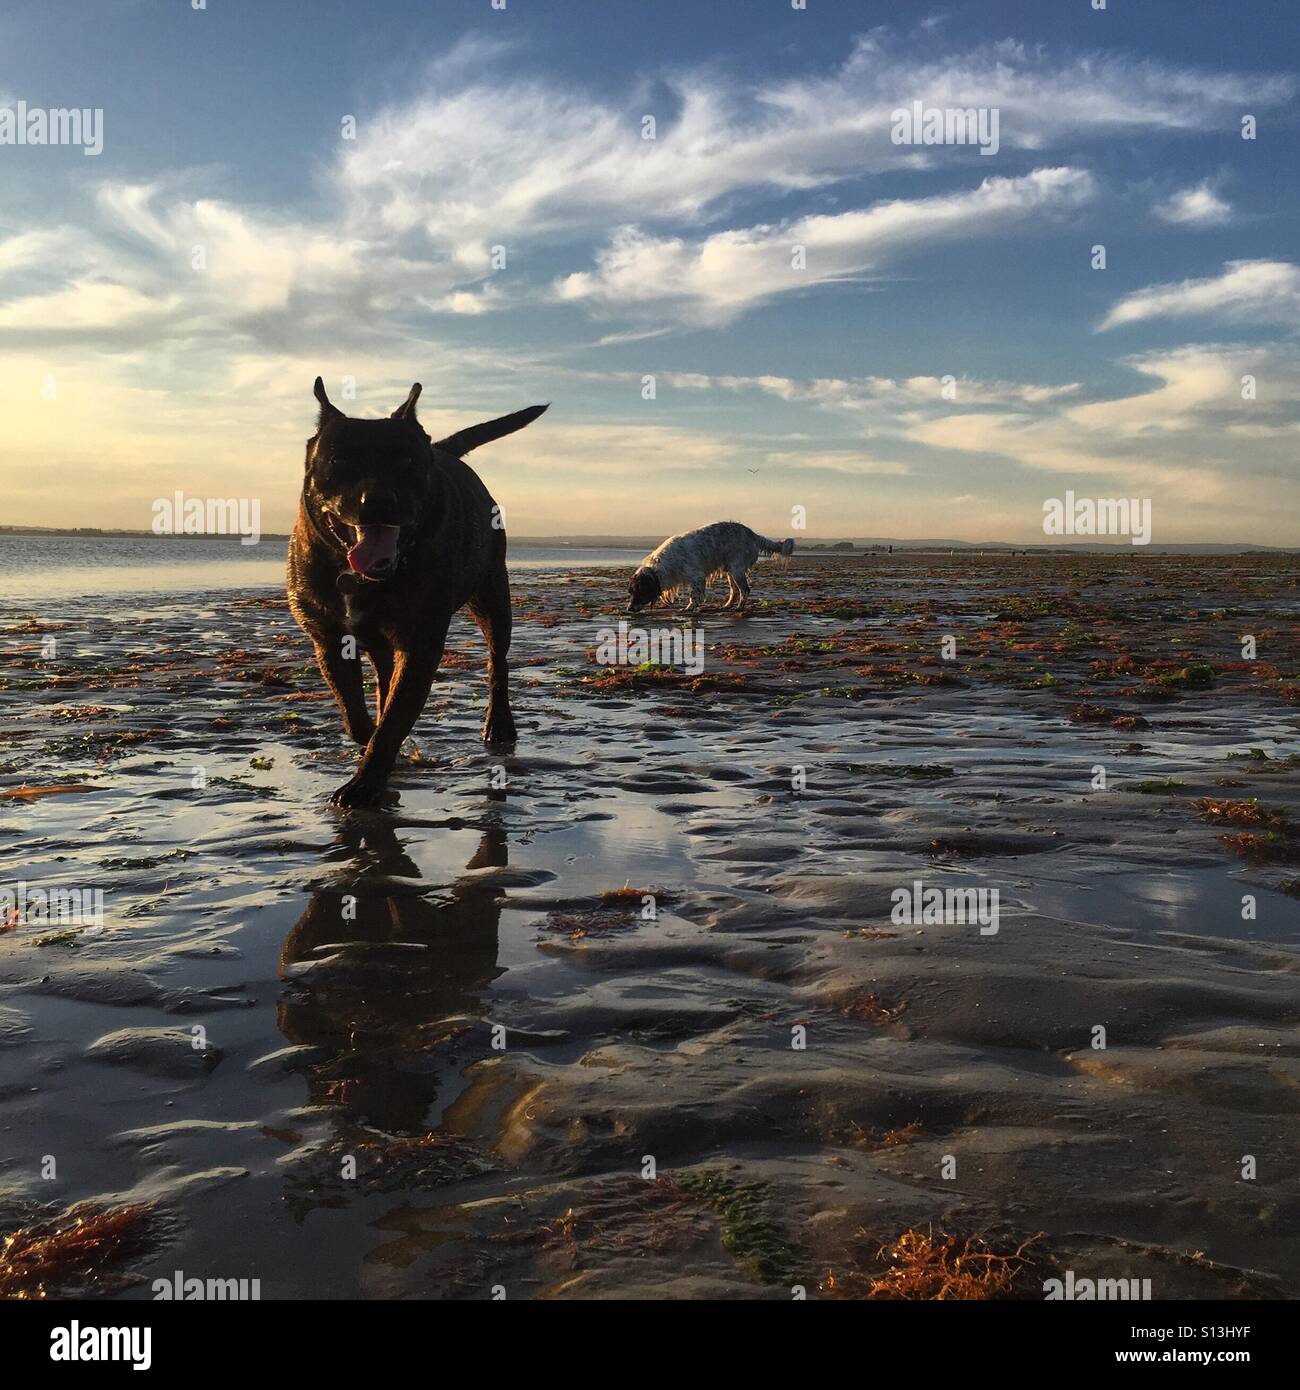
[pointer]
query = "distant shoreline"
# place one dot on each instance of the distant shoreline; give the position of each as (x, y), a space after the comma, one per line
(833, 547)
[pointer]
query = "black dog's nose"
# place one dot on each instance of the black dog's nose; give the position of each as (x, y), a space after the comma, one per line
(377, 506)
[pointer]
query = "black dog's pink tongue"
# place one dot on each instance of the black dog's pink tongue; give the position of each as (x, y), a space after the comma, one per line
(376, 548)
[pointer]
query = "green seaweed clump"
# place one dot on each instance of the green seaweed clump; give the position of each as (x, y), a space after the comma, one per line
(748, 1231)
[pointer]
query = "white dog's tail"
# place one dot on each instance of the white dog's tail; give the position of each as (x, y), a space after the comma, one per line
(767, 547)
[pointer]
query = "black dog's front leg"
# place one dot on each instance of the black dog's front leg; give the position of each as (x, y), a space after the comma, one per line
(343, 676)
(412, 680)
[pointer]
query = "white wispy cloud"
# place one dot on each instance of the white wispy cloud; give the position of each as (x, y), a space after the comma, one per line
(855, 394)
(713, 278)
(473, 302)
(849, 461)
(1172, 436)
(1199, 206)
(1179, 436)
(87, 307)
(490, 157)
(1247, 291)
(483, 157)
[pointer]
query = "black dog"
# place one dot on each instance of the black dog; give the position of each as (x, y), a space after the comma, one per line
(394, 535)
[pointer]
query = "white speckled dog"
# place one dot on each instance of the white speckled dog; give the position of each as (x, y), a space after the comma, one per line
(687, 563)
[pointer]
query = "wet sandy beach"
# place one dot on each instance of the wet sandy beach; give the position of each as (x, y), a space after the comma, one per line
(447, 1045)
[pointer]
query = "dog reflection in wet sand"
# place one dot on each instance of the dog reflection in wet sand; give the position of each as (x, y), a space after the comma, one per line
(383, 970)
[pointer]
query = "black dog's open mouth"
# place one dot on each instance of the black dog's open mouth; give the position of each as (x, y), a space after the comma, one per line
(372, 550)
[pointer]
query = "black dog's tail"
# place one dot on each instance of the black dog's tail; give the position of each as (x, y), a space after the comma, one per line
(767, 547)
(463, 441)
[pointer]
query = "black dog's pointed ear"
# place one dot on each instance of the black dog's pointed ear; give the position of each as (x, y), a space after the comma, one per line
(328, 410)
(406, 411)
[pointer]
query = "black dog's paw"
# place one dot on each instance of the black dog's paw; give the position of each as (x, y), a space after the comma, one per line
(499, 727)
(359, 792)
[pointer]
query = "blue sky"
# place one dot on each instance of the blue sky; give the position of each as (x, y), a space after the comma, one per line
(129, 372)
